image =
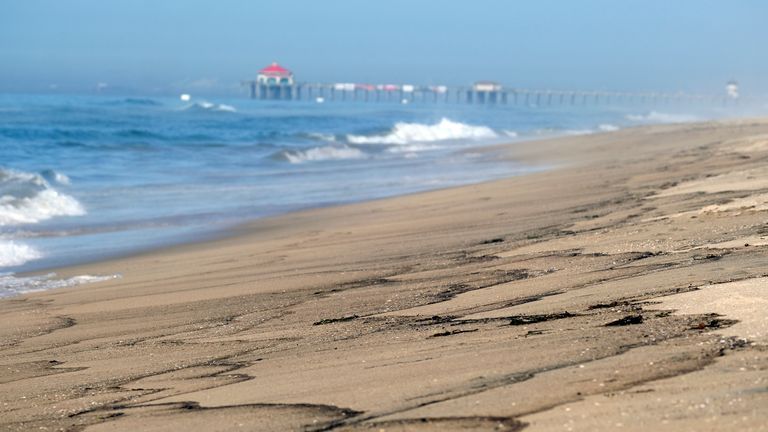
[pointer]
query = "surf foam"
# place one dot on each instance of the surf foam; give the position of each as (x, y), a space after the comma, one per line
(15, 254)
(444, 130)
(607, 128)
(322, 137)
(659, 117)
(209, 106)
(12, 285)
(27, 198)
(322, 154)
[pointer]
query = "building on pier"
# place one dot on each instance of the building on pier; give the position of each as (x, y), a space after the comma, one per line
(486, 91)
(274, 82)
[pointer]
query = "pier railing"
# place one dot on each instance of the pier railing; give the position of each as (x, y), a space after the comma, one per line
(498, 95)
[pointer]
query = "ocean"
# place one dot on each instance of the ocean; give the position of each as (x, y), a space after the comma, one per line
(84, 178)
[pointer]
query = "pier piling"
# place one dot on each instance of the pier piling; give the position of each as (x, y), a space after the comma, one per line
(481, 93)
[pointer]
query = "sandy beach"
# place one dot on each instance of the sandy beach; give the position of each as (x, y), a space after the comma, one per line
(622, 288)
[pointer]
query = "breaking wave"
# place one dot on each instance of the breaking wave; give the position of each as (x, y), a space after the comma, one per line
(27, 198)
(12, 285)
(659, 117)
(321, 154)
(444, 130)
(209, 106)
(15, 254)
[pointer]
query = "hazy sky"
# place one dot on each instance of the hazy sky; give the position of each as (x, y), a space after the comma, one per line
(166, 46)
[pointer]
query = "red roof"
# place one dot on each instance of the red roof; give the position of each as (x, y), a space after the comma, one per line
(275, 69)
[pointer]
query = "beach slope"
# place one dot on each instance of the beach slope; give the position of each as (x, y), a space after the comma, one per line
(624, 287)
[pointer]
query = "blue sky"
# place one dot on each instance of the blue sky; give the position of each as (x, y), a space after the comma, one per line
(166, 46)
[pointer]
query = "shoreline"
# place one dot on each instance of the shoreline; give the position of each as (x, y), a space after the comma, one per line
(527, 302)
(235, 229)
(539, 163)
(231, 229)
(498, 146)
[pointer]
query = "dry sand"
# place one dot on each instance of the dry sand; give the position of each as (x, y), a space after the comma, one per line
(625, 288)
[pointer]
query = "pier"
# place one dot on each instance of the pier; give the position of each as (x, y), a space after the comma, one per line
(277, 83)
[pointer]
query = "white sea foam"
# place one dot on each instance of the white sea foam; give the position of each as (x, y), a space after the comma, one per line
(27, 198)
(445, 129)
(413, 148)
(659, 117)
(56, 177)
(510, 133)
(579, 132)
(12, 285)
(15, 254)
(322, 136)
(209, 106)
(608, 128)
(45, 205)
(224, 107)
(323, 154)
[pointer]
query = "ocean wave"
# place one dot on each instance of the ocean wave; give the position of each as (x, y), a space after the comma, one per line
(578, 132)
(659, 117)
(140, 101)
(15, 254)
(27, 198)
(322, 137)
(209, 106)
(321, 154)
(606, 127)
(134, 101)
(510, 133)
(55, 177)
(412, 149)
(139, 133)
(444, 130)
(31, 134)
(12, 285)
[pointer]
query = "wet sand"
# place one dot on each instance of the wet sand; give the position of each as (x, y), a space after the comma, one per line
(624, 288)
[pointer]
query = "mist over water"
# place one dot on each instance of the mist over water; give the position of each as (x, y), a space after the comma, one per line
(85, 177)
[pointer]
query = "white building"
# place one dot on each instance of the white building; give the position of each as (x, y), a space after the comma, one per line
(275, 75)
